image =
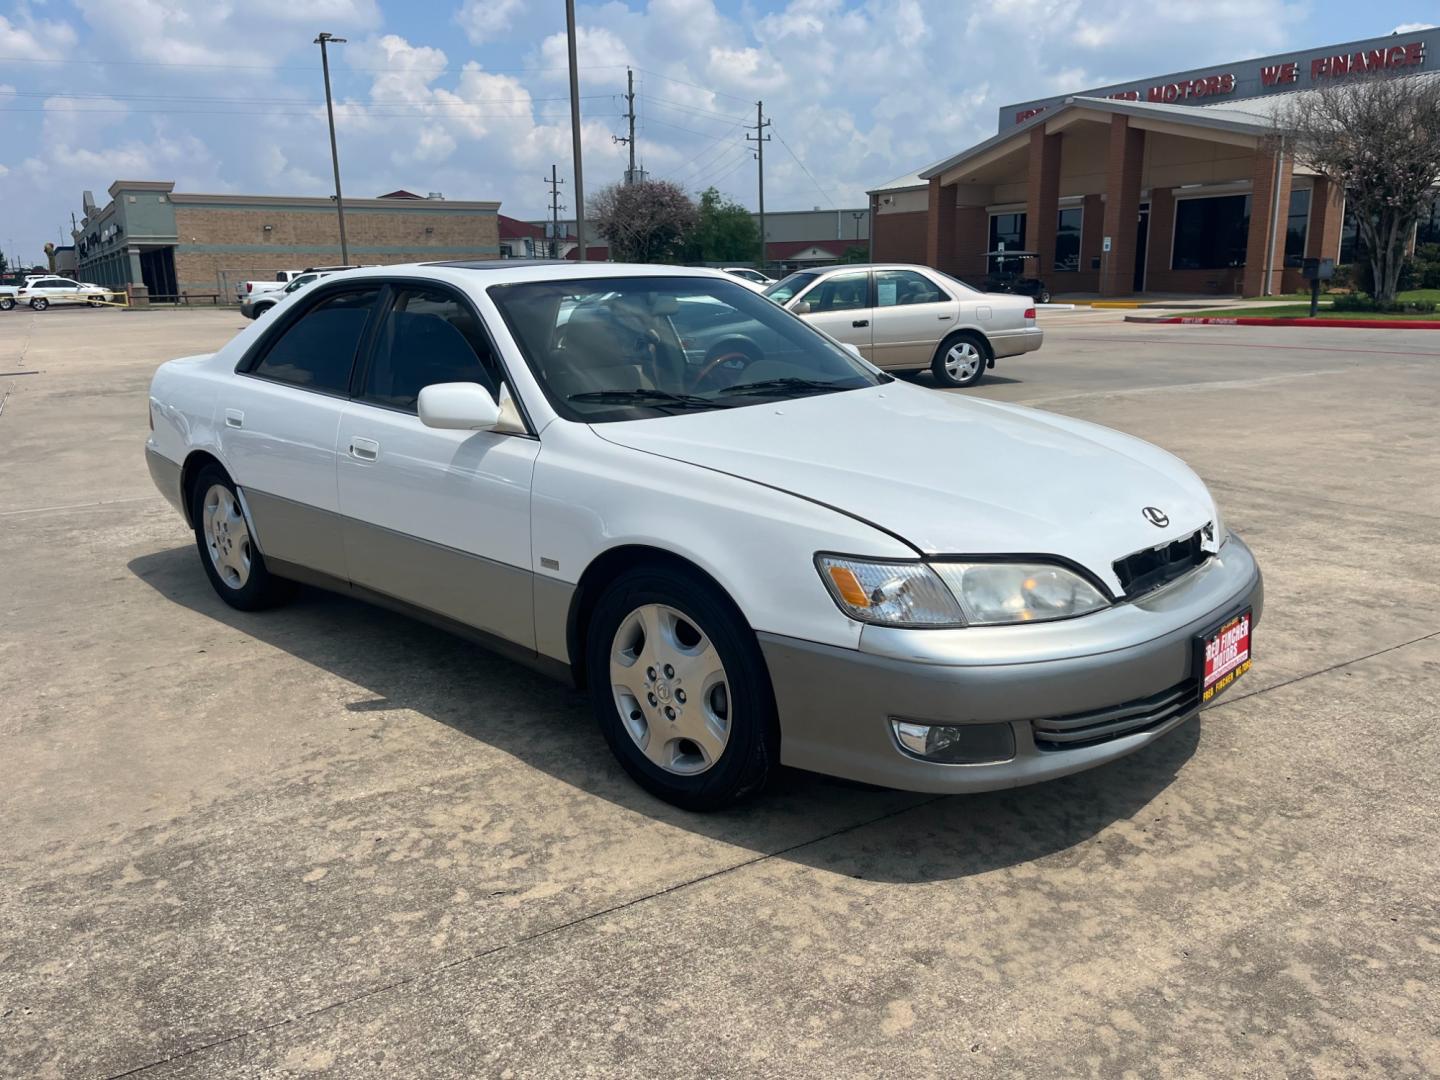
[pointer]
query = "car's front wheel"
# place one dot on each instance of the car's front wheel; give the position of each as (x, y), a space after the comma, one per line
(6, 303)
(232, 562)
(95, 301)
(960, 361)
(680, 689)
(39, 303)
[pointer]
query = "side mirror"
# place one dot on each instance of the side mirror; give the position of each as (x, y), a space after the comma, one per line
(458, 406)
(853, 350)
(801, 308)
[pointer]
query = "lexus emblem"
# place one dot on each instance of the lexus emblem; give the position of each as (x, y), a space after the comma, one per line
(1155, 516)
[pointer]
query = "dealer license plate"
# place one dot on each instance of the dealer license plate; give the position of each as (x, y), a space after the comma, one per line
(1223, 655)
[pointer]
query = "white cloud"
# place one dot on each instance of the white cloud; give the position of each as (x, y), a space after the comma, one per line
(486, 20)
(35, 39)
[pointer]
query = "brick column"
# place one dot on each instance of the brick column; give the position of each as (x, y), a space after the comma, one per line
(1263, 223)
(1122, 206)
(1327, 212)
(1092, 229)
(940, 229)
(1042, 208)
(1157, 243)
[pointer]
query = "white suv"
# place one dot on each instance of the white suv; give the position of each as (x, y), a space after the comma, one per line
(42, 292)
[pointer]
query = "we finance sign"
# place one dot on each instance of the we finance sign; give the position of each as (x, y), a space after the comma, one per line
(1255, 78)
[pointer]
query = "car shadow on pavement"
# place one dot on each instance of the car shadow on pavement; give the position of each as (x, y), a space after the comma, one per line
(846, 828)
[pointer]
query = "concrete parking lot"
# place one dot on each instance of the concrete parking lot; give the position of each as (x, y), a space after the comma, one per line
(330, 840)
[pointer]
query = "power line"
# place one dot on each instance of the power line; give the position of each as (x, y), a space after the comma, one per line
(807, 172)
(101, 95)
(278, 67)
(693, 86)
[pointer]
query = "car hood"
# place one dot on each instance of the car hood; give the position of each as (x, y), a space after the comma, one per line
(948, 473)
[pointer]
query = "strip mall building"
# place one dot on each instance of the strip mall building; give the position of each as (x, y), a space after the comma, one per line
(1172, 184)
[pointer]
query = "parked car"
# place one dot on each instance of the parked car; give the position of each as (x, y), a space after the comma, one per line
(908, 318)
(41, 292)
(755, 277)
(252, 307)
(251, 289)
(743, 559)
(1007, 275)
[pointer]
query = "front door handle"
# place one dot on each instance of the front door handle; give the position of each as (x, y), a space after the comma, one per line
(234, 418)
(944, 317)
(860, 322)
(364, 449)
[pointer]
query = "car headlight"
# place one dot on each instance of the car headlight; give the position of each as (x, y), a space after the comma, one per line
(994, 593)
(889, 593)
(942, 594)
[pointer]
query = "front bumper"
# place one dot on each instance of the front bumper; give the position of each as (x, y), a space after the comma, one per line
(836, 705)
(1015, 342)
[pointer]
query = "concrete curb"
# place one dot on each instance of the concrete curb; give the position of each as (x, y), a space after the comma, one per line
(1244, 320)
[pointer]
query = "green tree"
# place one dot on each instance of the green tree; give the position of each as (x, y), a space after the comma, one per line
(726, 232)
(647, 222)
(1378, 140)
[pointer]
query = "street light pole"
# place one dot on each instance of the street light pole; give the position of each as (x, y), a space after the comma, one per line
(575, 131)
(322, 41)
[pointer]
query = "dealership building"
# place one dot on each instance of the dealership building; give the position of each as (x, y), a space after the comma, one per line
(1170, 184)
(156, 241)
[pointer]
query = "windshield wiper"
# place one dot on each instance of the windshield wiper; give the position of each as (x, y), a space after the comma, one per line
(646, 397)
(768, 386)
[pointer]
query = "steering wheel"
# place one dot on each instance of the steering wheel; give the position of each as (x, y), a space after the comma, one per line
(726, 354)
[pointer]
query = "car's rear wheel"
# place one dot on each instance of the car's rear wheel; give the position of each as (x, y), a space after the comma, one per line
(39, 303)
(1043, 296)
(680, 689)
(960, 360)
(233, 563)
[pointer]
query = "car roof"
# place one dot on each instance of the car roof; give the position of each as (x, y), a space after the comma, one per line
(484, 272)
(845, 267)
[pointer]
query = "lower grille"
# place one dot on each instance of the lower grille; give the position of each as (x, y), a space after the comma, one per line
(1102, 725)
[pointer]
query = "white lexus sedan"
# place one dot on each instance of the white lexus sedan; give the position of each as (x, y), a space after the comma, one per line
(657, 483)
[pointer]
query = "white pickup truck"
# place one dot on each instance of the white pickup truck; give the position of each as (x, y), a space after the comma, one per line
(247, 291)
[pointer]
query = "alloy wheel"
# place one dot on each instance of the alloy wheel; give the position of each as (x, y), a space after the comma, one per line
(227, 537)
(671, 689)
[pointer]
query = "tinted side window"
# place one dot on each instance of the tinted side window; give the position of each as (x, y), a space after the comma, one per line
(427, 337)
(840, 293)
(896, 288)
(317, 352)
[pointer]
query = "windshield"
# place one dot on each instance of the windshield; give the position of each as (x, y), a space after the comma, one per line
(628, 348)
(786, 287)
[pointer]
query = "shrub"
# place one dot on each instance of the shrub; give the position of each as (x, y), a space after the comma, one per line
(1356, 302)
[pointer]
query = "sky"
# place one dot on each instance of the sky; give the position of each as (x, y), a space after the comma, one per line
(470, 97)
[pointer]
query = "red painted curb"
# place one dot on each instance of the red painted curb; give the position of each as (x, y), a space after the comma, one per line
(1243, 320)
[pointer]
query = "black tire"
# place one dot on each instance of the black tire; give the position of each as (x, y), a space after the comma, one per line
(261, 589)
(976, 344)
(39, 303)
(752, 748)
(95, 302)
(6, 303)
(1043, 297)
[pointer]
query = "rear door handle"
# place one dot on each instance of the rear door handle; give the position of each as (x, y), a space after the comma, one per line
(364, 449)
(860, 322)
(944, 317)
(234, 418)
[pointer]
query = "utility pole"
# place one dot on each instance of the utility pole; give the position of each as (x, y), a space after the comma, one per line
(555, 209)
(323, 40)
(575, 131)
(630, 116)
(760, 139)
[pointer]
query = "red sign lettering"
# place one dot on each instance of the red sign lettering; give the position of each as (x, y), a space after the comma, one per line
(1202, 87)
(1411, 54)
(1275, 74)
(1026, 114)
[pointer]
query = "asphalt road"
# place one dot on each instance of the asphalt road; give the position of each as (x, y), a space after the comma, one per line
(328, 840)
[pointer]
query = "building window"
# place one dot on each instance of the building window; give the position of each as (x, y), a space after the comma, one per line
(1428, 231)
(1297, 226)
(1007, 229)
(1067, 239)
(1211, 233)
(1349, 236)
